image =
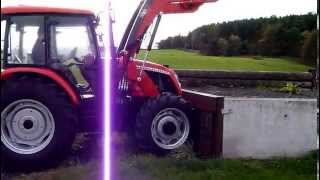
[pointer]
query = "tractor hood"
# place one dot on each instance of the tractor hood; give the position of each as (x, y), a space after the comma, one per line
(154, 67)
(135, 66)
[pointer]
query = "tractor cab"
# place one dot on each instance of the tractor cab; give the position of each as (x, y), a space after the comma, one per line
(53, 38)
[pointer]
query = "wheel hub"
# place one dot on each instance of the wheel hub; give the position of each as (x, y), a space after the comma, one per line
(27, 126)
(170, 128)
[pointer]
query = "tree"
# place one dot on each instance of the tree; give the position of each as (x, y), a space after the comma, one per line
(269, 45)
(293, 41)
(273, 36)
(222, 46)
(234, 45)
(187, 43)
(309, 48)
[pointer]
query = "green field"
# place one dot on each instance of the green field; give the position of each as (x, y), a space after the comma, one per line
(147, 167)
(189, 60)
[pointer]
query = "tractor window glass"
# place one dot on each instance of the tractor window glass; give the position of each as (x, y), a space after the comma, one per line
(26, 40)
(3, 27)
(71, 40)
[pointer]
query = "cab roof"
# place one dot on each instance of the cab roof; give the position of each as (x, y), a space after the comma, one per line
(38, 9)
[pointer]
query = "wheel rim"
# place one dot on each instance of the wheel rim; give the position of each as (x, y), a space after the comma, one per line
(170, 128)
(27, 126)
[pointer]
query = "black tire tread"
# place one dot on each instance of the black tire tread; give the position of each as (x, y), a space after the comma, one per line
(56, 100)
(145, 116)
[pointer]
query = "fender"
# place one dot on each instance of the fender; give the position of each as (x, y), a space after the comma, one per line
(65, 85)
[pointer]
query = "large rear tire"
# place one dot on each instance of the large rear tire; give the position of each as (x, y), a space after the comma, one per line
(38, 123)
(163, 124)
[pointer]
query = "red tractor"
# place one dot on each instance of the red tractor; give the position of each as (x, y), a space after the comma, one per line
(51, 87)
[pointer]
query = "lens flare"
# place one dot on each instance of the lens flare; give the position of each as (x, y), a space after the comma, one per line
(105, 21)
(106, 118)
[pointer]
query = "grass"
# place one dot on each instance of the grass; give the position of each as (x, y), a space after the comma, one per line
(195, 169)
(180, 59)
(148, 167)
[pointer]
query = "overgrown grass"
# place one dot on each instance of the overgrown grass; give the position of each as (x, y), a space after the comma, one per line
(148, 167)
(190, 60)
(195, 169)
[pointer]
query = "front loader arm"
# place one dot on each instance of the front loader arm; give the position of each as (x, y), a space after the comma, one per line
(144, 16)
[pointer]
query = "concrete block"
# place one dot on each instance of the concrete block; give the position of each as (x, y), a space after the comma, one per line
(269, 127)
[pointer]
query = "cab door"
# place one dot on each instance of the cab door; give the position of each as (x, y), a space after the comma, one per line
(73, 50)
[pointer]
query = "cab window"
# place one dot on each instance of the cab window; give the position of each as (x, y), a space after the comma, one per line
(3, 28)
(26, 43)
(70, 38)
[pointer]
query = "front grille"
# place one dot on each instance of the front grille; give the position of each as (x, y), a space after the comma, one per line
(123, 85)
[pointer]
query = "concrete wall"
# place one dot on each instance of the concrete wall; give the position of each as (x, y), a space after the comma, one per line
(266, 127)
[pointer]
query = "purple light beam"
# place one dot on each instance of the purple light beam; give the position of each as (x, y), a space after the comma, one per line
(105, 22)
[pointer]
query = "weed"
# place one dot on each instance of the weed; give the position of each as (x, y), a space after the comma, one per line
(290, 88)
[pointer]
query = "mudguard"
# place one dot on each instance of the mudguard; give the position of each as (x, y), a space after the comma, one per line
(64, 84)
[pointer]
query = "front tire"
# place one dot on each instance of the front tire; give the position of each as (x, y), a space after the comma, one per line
(163, 124)
(38, 123)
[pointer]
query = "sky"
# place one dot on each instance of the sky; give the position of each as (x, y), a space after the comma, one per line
(222, 10)
(175, 24)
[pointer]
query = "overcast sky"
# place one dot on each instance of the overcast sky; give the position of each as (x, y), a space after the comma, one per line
(222, 10)
(171, 25)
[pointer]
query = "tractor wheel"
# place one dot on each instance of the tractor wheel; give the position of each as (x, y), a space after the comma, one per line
(163, 124)
(38, 123)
